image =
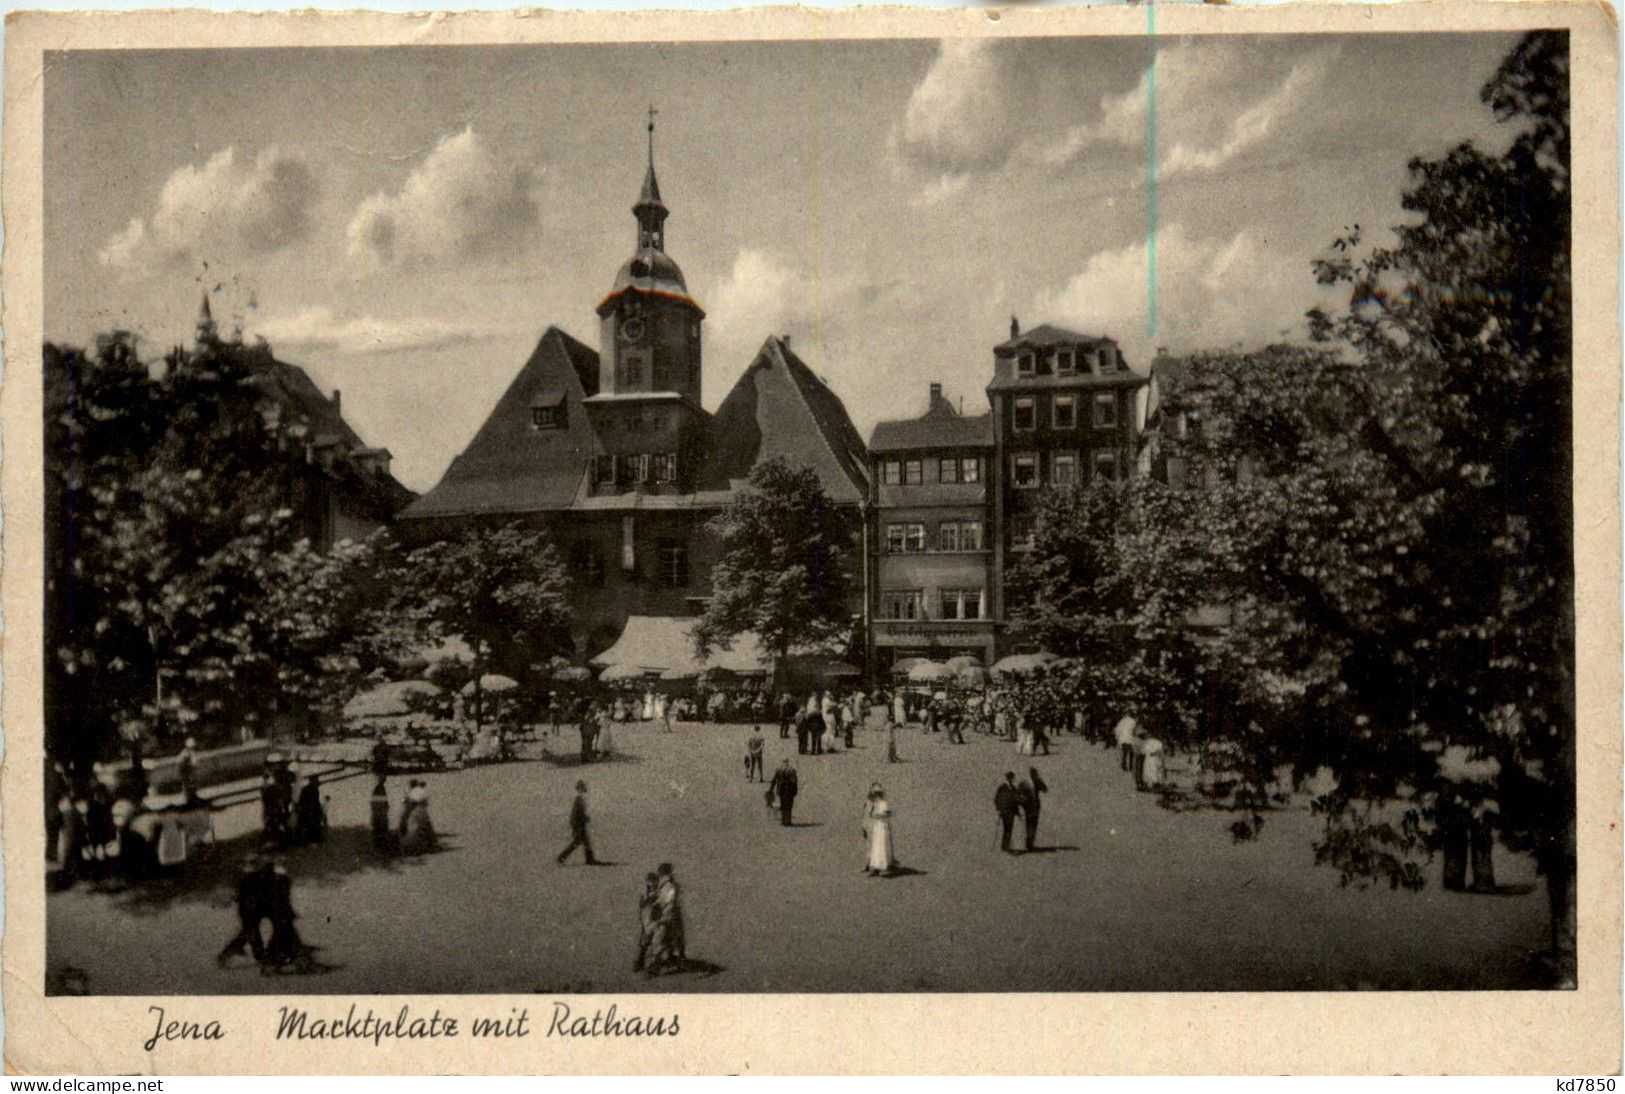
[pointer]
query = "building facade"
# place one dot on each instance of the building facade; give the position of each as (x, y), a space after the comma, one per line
(954, 495)
(931, 570)
(611, 452)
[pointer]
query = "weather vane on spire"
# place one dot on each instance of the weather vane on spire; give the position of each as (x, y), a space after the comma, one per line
(652, 113)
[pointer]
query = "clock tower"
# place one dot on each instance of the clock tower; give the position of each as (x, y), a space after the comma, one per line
(649, 325)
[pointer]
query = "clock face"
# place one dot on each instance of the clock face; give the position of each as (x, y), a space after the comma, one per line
(632, 329)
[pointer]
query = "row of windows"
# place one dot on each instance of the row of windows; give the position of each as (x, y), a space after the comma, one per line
(671, 563)
(1065, 361)
(911, 604)
(950, 469)
(637, 468)
(1024, 411)
(1027, 468)
(952, 535)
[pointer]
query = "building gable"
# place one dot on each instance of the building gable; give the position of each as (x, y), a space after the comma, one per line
(780, 408)
(513, 464)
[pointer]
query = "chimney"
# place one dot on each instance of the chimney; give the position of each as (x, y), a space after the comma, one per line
(1015, 328)
(936, 393)
(338, 400)
(785, 338)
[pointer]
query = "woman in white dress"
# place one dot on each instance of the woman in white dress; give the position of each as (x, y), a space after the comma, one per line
(877, 827)
(604, 743)
(1024, 736)
(648, 706)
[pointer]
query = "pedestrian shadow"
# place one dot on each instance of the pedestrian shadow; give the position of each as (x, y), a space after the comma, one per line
(804, 824)
(696, 967)
(904, 871)
(1500, 890)
(575, 760)
(210, 876)
(1051, 849)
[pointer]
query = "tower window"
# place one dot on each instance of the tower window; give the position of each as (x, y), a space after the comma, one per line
(547, 417)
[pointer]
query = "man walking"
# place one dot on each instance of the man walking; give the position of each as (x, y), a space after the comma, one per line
(784, 787)
(1006, 804)
(753, 755)
(1125, 732)
(578, 827)
(787, 714)
(253, 906)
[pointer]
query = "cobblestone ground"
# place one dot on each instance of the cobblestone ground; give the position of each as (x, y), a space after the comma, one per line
(1124, 896)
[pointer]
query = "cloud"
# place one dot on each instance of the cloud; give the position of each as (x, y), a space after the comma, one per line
(1216, 99)
(961, 116)
(461, 202)
(223, 207)
(320, 328)
(1211, 294)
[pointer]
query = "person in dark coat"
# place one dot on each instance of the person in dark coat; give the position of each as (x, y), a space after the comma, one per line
(815, 732)
(785, 786)
(383, 836)
(578, 827)
(285, 946)
(1455, 821)
(1006, 803)
(787, 715)
(379, 760)
(310, 818)
(588, 728)
(253, 906)
(1031, 792)
(801, 732)
(1481, 842)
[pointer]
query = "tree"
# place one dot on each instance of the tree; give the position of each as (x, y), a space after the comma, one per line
(782, 569)
(1387, 518)
(502, 590)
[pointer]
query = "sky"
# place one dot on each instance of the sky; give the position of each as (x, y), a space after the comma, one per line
(405, 223)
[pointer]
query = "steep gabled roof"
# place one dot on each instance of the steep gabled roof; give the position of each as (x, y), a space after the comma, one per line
(779, 407)
(510, 466)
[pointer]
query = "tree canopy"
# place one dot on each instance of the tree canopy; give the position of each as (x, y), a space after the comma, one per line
(782, 570)
(1383, 516)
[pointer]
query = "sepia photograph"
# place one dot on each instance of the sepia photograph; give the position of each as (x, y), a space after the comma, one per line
(893, 514)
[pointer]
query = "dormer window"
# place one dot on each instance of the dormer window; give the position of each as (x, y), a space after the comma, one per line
(1026, 363)
(547, 416)
(1066, 362)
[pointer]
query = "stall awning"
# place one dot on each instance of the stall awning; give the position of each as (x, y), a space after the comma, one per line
(658, 644)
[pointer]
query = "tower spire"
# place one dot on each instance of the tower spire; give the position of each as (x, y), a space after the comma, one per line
(206, 329)
(650, 210)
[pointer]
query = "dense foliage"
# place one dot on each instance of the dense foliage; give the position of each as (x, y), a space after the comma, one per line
(181, 598)
(781, 572)
(1378, 527)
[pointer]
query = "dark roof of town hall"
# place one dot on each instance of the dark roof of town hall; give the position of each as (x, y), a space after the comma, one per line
(1046, 335)
(779, 407)
(510, 467)
(933, 430)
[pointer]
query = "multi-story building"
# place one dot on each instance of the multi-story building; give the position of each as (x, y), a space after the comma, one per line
(612, 452)
(1063, 413)
(954, 495)
(930, 575)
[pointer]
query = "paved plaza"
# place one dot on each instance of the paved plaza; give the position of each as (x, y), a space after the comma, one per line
(1124, 895)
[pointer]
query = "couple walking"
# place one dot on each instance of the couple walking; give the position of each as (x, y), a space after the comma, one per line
(1024, 798)
(662, 944)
